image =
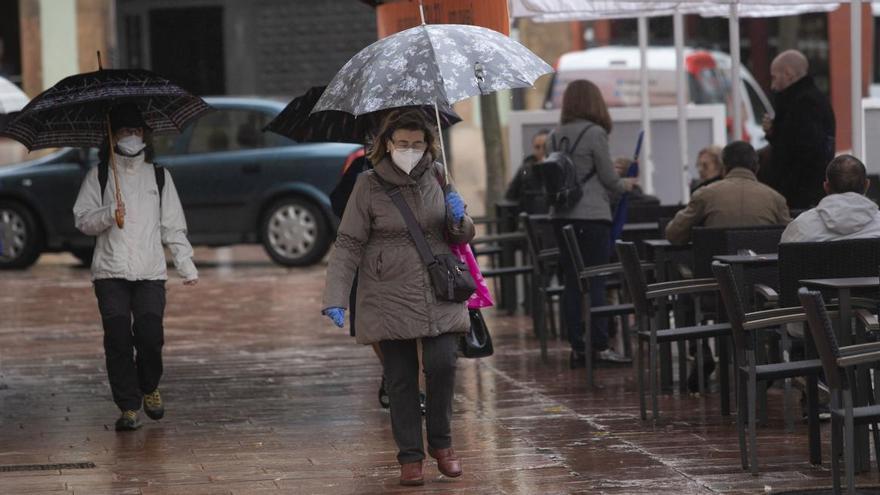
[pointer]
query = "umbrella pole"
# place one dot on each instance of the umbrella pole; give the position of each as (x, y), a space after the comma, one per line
(120, 220)
(442, 144)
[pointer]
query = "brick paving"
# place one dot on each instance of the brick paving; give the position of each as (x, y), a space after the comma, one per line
(264, 396)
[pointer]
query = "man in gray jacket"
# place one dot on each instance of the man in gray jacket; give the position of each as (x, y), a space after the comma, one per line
(845, 213)
(128, 267)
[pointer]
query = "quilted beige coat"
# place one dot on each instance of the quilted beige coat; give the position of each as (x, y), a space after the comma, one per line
(394, 297)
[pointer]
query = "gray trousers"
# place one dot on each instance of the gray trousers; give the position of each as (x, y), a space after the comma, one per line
(402, 384)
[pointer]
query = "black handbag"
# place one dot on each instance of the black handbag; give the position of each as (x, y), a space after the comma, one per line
(450, 277)
(477, 342)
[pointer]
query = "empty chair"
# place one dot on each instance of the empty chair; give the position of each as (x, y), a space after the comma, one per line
(838, 363)
(585, 276)
(644, 297)
(744, 329)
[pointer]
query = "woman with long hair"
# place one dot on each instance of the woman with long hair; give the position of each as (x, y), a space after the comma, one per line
(396, 304)
(585, 125)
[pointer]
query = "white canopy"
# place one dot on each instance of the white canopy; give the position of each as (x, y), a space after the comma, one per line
(569, 10)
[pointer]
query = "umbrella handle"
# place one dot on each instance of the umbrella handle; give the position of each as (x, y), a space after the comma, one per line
(120, 219)
(442, 145)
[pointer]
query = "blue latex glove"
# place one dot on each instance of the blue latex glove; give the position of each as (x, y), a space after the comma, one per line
(335, 314)
(456, 206)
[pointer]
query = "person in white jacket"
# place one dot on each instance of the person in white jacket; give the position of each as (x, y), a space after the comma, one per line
(129, 267)
(845, 213)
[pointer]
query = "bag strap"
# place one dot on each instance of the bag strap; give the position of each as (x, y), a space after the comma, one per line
(412, 225)
(160, 180)
(576, 142)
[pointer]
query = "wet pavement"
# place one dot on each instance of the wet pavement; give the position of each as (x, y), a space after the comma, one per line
(265, 396)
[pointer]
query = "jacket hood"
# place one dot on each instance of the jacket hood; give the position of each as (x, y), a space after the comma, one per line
(389, 172)
(846, 213)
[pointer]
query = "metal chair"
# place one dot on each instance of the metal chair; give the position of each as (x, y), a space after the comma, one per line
(544, 256)
(744, 329)
(838, 364)
(644, 297)
(585, 273)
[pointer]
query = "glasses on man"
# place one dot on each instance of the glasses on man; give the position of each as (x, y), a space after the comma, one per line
(406, 145)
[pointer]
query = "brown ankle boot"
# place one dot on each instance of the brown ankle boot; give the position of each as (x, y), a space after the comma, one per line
(411, 474)
(448, 463)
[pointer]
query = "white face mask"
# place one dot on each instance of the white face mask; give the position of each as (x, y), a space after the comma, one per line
(131, 145)
(406, 159)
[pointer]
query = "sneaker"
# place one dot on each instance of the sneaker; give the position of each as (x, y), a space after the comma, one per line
(610, 356)
(384, 400)
(823, 410)
(153, 405)
(128, 421)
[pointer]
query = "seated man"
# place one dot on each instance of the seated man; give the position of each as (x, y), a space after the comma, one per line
(845, 213)
(738, 200)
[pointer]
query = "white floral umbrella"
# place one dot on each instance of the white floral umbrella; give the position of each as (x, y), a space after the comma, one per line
(436, 64)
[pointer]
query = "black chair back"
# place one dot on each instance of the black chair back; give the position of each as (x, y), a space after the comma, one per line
(804, 260)
(823, 337)
(730, 296)
(634, 277)
(712, 241)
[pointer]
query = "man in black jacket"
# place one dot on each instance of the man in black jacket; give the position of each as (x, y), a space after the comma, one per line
(801, 135)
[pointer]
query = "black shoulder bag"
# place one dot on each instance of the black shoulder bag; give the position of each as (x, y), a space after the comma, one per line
(450, 277)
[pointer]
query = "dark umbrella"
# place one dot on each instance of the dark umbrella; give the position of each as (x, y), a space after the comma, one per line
(75, 112)
(298, 122)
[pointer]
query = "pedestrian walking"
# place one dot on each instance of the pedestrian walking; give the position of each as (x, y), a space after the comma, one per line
(396, 304)
(129, 266)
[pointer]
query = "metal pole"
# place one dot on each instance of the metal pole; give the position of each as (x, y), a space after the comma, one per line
(647, 166)
(855, 31)
(735, 79)
(681, 102)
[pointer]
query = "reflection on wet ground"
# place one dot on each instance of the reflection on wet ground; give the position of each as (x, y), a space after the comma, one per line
(264, 396)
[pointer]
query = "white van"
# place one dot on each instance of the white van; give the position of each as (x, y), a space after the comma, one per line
(615, 69)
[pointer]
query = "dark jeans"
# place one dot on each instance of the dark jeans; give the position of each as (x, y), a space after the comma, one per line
(594, 241)
(133, 352)
(439, 355)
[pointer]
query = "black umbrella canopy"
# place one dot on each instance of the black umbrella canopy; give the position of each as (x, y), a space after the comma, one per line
(74, 111)
(298, 123)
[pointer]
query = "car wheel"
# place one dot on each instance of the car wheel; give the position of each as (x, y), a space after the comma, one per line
(20, 236)
(84, 255)
(295, 232)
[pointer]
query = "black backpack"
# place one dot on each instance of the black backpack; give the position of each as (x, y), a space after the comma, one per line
(104, 175)
(560, 173)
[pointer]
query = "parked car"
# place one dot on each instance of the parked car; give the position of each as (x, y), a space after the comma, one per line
(616, 70)
(237, 185)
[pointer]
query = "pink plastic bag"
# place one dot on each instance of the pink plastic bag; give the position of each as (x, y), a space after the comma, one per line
(481, 298)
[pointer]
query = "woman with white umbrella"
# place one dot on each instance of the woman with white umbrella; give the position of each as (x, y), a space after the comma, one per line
(397, 304)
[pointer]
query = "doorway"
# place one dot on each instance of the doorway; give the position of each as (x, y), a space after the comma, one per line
(186, 46)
